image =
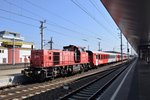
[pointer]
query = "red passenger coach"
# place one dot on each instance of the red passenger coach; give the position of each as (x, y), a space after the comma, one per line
(97, 58)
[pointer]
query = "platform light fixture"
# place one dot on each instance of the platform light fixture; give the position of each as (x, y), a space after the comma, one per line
(86, 41)
(99, 43)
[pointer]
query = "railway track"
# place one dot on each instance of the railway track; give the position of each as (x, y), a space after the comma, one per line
(25, 91)
(93, 89)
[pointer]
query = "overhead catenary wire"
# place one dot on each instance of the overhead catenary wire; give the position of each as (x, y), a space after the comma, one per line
(21, 22)
(62, 34)
(34, 19)
(49, 12)
(59, 33)
(52, 23)
(50, 30)
(92, 17)
(63, 27)
(33, 13)
(38, 20)
(31, 24)
(21, 15)
(96, 7)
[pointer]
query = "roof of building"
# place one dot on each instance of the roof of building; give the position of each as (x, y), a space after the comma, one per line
(11, 35)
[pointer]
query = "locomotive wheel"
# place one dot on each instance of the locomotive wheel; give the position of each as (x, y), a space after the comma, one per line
(42, 76)
(53, 75)
(69, 72)
(81, 69)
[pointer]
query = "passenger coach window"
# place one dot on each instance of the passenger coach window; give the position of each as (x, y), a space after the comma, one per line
(96, 56)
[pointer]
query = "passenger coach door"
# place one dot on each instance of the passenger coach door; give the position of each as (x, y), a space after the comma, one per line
(96, 60)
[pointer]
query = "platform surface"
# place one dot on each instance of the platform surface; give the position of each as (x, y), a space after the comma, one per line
(140, 87)
(132, 84)
(10, 72)
(16, 66)
(11, 76)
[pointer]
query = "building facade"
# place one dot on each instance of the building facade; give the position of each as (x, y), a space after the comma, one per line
(13, 48)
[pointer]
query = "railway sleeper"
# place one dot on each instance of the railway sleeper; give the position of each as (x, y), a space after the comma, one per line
(85, 92)
(79, 97)
(84, 95)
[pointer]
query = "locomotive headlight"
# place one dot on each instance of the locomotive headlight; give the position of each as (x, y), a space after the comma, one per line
(30, 71)
(38, 72)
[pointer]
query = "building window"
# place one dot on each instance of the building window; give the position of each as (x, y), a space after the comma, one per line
(1, 51)
(4, 60)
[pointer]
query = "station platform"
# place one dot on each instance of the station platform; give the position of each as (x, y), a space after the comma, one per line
(16, 66)
(10, 72)
(140, 86)
(132, 84)
(11, 76)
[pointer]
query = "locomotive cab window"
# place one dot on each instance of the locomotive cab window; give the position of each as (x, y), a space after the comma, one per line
(49, 57)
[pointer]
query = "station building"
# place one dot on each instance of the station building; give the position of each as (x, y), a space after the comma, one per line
(13, 48)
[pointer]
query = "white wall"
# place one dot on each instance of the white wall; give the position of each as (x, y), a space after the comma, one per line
(24, 53)
(26, 46)
(1, 43)
(4, 55)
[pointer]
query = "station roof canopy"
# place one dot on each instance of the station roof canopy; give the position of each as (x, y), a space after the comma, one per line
(133, 19)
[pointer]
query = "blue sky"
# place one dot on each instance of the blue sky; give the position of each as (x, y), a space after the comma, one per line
(66, 22)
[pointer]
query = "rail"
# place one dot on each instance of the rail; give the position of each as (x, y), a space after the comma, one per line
(91, 90)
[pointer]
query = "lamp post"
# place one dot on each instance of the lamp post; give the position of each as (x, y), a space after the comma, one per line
(121, 45)
(86, 41)
(13, 57)
(99, 43)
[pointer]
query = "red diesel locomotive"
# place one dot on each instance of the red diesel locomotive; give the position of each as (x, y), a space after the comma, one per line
(72, 59)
